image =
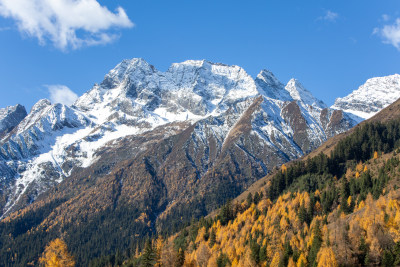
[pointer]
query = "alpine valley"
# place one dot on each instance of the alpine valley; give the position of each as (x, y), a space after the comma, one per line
(145, 152)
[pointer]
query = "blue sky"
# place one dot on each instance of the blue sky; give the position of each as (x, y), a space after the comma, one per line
(331, 47)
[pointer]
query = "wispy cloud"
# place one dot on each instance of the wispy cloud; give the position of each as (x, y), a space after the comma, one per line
(329, 16)
(61, 94)
(2, 29)
(390, 33)
(68, 24)
(385, 17)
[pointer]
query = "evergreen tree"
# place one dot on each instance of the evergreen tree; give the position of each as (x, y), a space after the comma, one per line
(288, 251)
(316, 244)
(364, 249)
(387, 259)
(226, 213)
(148, 257)
(213, 238)
(255, 251)
(303, 215)
(222, 260)
(257, 198)
(263, 254)
(249, 199)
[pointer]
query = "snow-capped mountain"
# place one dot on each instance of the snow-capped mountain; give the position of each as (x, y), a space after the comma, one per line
(371, 97)
(222, 113)
(11, 117)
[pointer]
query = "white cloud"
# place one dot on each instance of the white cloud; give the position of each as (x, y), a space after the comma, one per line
(385, 17)
(329, 16)
(68, 24)
(390, 33)
(61, 94)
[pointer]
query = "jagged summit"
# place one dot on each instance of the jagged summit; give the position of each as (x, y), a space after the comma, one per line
(269, 78)
(269, 85)
(374, 95)
(42, 103)
(299, 93)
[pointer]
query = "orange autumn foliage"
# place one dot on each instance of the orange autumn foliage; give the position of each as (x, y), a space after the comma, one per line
(56, 255)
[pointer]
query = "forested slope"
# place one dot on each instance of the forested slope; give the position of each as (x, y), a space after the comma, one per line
(328, 210)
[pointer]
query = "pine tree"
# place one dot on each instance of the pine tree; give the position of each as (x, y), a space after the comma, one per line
(226, 213)
(257, 198)
(316, 244)
(387, 259)
(148, 257)
(249, 199)
(263, 254)
(255, 251)
(363, 248)
(213, 238)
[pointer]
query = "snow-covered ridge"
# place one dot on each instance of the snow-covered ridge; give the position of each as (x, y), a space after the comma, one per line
(371, 97)
(134, 97)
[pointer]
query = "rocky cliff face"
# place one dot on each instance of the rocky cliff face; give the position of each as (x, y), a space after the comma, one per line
(195, 127)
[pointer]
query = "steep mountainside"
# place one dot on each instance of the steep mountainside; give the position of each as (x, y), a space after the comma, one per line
(389, 113)
(341, 210)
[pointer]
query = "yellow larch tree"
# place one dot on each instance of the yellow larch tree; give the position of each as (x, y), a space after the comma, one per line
(302, 261)
(203, 254)
(56, 255)
(326, 258)
(159, 247)
(291, 263)
(283, 168)
(275, 260)
(359, 167)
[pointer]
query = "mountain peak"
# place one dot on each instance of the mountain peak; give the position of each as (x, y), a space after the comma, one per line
(269, 78)
(270, 86)
(374, 95)
(299, 93)
(42, 103)
(198, 64)
(128, 68)
(9, 109)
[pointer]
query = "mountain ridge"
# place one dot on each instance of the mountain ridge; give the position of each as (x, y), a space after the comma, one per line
(135, 97)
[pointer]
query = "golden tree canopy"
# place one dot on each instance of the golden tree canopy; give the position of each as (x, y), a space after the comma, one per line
(283, 168)
(326, 258)
(56, 255)
(302, 261)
